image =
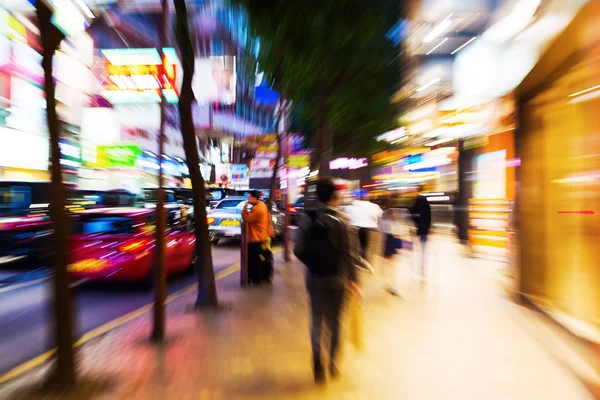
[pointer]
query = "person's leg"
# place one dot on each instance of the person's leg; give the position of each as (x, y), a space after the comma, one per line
(389, 269)
(391, 276)
(267, 265)
(335, 300)
(423, 240)
(316, 306)
(254, 263)
(363, 239)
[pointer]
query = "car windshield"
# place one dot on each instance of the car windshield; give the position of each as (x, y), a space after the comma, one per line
(16, 199)
(237, 203)
(216, 194)
(103, 224)
(185, 196)
(151, 195)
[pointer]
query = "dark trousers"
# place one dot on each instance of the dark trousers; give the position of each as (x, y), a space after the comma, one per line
(363, 237)
(260, 263)
(326, 302)
(254, 263)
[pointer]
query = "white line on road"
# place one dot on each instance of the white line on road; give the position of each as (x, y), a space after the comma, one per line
(34, 282)
(17, 316)
(24, 284)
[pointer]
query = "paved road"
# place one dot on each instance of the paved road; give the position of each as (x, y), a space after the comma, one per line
(24, 306)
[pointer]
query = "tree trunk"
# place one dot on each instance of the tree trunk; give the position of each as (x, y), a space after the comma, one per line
(207, 292)
(64, 373)
(160, 278)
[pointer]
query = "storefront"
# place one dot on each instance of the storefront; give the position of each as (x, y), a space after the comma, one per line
(486, 175)
(559, 197)
(486, 74)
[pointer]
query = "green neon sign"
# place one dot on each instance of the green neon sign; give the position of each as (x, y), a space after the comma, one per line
(118, 156)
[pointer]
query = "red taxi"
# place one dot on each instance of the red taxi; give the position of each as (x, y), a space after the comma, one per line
(117, 244)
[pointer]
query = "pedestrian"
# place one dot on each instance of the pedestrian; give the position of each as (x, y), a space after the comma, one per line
(365, 216)
(421, 215)
(389, 225)
(259, 225)
(327, 246)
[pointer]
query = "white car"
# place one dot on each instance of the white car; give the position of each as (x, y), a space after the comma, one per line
(225, 219)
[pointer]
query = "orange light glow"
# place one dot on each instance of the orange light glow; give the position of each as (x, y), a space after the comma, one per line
(132, 246)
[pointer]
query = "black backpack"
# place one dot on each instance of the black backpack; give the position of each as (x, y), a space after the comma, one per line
(322, 258)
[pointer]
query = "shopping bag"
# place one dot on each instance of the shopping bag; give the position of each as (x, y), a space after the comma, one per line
(357, 334)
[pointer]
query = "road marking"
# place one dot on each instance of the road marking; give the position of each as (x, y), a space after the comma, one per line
(115, 323)
(35, 282)
(18, 315)
(24, 284)
(27, 366)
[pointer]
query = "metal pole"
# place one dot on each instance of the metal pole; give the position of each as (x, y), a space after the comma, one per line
(244, 255)
(160, 284)
(286, 153)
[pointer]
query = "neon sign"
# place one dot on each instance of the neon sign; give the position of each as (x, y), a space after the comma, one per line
(348, 163)
(118, 156)
(139, 76)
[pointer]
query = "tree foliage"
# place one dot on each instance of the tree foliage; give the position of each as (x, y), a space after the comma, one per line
(333, 60)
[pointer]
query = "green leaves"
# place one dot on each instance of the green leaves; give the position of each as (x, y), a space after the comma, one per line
(334, 51)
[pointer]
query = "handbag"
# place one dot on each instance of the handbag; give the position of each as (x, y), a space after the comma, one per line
(398, 243)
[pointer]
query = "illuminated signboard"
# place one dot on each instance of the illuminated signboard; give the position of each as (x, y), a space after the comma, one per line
(70, 154)
(348, 163)
(393, 135)
(118, 156)
(298, 160)
(139, 76)
(11, 27)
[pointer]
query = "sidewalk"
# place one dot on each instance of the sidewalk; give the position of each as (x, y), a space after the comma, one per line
(458, 338)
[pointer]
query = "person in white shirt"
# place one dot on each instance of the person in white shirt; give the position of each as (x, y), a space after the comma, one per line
(365, 216)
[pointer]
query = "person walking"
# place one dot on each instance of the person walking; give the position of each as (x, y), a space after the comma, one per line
(421, 214)
(365, 216)
(389, 225)
(258, 220)
(326, 245)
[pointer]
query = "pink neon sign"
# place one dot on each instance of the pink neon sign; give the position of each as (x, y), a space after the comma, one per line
(348, 163)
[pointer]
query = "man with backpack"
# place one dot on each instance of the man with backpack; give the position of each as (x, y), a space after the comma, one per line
(328, 246)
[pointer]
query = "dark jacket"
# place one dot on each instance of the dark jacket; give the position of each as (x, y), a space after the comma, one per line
(341, 235)
(421, 215)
